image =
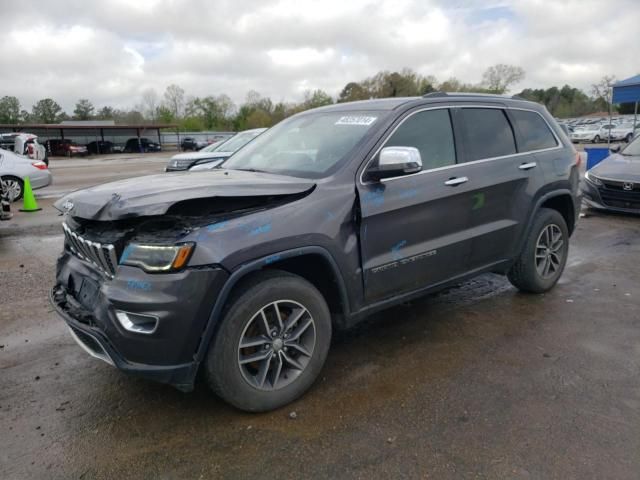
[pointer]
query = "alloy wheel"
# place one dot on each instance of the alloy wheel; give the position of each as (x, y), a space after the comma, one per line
(276, 345)
(549, 251)
(13, 188)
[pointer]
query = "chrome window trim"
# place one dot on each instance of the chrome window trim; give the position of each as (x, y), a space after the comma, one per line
(558, 146)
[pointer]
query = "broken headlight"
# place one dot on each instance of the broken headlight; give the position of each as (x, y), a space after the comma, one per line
(157, 258)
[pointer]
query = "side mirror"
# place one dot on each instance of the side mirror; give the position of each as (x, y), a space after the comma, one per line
(396, 161)
(614, 148)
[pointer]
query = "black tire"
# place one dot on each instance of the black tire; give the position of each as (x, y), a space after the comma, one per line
(596, 139)
(629, 137)
(17, 184)
(525, 274)
(232, 381)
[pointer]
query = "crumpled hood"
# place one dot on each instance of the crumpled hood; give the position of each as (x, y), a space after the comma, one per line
(155, 194)
(619, 167)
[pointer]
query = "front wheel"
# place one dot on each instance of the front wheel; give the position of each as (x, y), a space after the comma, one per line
(544, 255)
(629, 138)
(596, 139)
(271, 344)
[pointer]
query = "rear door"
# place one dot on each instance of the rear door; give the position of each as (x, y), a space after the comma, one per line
(502, 182)
(413, 227)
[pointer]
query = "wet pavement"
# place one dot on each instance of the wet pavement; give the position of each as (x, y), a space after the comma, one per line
(70, 174)
(75, 173)
(477, 382)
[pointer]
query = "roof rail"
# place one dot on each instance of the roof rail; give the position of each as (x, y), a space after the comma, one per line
(518, 97)
(435, 94)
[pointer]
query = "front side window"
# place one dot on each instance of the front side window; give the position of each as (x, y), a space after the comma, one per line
(633, 149)
(487, 133)
(431, 133)
(534, 131)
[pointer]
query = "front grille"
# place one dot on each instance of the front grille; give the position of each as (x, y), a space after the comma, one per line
(102, 256)
(619, 186)
(614, 195)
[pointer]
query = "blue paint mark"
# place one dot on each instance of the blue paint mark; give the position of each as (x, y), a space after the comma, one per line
(266, 228)
(125, 254)
(410, 193)
(217, 226)
(374, 197)
(395, 250)
(139, 285)
(271, 259)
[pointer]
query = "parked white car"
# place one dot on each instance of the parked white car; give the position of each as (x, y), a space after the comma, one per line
(624, 132)
(15, 168)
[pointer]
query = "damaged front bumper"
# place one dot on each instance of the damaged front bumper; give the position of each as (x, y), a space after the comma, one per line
(178, 304)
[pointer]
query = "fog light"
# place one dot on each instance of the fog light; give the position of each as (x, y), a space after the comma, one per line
(137, 323)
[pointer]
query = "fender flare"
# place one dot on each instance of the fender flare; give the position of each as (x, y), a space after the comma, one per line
(534, 211)
(253, 266)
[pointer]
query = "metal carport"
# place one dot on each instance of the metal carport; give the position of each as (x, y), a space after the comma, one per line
(95, 130)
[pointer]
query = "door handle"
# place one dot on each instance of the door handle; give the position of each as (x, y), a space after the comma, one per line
(452, 182)
(527, 166)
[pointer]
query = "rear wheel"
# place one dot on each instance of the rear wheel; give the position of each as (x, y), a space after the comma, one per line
(271, 344)
(544, 255)
(629, 138)
(14, 187)
(596, 139)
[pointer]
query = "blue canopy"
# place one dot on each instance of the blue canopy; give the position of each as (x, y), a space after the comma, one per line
(627, 91)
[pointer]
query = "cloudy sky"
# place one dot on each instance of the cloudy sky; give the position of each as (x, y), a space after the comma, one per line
(111, 50)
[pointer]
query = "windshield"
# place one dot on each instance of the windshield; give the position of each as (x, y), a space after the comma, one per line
(633, 148)
(214, 147)
(238, 141)
(308, 146)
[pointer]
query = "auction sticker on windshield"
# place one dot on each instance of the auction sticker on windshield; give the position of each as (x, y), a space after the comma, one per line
(356, 120)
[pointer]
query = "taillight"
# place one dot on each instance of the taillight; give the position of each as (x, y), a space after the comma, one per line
(39, 165)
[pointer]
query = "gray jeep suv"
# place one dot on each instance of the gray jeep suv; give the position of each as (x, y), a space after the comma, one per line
(332, 214)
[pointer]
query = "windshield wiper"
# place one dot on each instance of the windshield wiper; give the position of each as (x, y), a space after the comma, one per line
(254, 170)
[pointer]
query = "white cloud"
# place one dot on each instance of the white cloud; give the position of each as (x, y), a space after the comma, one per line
(110, 51)
(299, 57)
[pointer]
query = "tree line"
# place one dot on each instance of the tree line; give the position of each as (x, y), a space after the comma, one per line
(219, 112)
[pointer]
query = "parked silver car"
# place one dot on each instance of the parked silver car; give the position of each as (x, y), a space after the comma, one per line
(593, 133)
(213, 155)
(15, 168)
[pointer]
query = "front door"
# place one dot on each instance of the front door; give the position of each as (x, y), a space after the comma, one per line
(412, 227)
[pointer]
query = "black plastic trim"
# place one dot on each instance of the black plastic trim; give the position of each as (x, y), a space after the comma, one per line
(180, 376)
(258, 264)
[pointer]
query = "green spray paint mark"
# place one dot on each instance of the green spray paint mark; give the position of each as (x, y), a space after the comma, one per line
(478, 201)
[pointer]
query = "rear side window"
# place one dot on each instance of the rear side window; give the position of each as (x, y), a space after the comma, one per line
(534, 131)
(487, 133)
(431, 133)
